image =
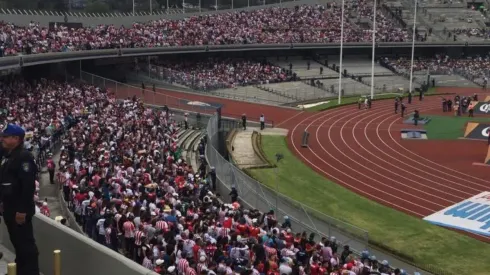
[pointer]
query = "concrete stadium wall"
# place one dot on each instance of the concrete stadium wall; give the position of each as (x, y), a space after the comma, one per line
(79, 254)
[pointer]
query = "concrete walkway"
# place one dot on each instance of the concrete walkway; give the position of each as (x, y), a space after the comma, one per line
(50, 191)
(243, 153)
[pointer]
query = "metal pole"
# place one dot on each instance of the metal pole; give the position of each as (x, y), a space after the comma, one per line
(373, 53)
(11, 269)
(231, 4)
(167, 6)
(133, 7)
(149, 67)
(183, 8)
(216, 4)
(248, 3)
(341, 49)
(413, 45)
(199, 6)
(277, 187)
(151, 7)
(57, 262)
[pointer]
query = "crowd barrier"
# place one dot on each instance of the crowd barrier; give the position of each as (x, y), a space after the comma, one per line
(257, 196)
(78, 254)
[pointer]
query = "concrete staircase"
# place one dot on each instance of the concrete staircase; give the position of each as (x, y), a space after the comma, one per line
(189, 142)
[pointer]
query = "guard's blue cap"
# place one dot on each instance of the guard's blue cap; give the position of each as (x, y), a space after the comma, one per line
(13, 130)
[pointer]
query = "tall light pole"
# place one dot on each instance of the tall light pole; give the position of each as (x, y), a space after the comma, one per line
(341, 49)
(279, 156)
(133, 8)
(374, 51)
(413, 45)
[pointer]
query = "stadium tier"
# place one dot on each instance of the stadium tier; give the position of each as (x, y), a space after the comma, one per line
(301, 24)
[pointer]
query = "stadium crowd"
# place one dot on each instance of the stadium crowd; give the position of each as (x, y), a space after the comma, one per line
(473, 68)
(123, 175)
(306, 23)
(41, 107)
(214, 74)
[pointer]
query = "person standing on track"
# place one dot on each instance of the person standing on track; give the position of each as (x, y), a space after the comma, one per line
(369, 102)
(396, 105)
(416, 116)
(403, 108)
(410, 97)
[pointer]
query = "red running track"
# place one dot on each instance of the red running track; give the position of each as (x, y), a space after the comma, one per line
(363, 151)
(184, 101)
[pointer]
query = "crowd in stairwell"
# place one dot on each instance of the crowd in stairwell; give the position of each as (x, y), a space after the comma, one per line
(301, 24)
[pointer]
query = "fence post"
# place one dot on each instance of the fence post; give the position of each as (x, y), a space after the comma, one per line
(11, 269)
(57, 262)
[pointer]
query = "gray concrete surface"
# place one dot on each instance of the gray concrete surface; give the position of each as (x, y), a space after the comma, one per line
(243, 153)
(79, 255)
(50, 191)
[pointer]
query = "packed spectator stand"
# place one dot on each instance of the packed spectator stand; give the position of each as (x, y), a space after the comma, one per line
(123, 175)
(220, 73)
(301, 24)
(476, 69)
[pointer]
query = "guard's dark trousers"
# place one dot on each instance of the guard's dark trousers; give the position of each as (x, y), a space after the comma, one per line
(22, 238)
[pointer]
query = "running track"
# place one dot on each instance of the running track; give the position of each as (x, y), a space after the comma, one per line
(362, 151)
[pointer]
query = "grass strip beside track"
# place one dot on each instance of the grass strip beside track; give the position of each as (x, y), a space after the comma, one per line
(449, 127)
(408, 237)
(333, 102)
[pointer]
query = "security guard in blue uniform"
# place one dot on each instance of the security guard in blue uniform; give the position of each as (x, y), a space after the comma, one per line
(17, 186)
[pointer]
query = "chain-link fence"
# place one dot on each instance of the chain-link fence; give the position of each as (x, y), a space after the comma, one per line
(258, 196)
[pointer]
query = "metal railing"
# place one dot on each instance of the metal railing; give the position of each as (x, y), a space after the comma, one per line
(263, 198)
(23, 60)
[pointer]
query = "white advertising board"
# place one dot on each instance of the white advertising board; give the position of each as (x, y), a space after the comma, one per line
(472, 215)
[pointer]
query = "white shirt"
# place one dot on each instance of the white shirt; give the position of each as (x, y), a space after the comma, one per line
(100, 226)
(285, 269)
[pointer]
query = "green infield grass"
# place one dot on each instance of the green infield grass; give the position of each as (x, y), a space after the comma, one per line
(411, 238)
(449, 127)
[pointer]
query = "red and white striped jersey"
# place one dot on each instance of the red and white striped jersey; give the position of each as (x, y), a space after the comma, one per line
(162, 225)
(138, 237)
(129, 228)
(190, 271)
(182, 265)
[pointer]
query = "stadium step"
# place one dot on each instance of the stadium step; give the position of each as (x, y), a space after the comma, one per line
(191, 153)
